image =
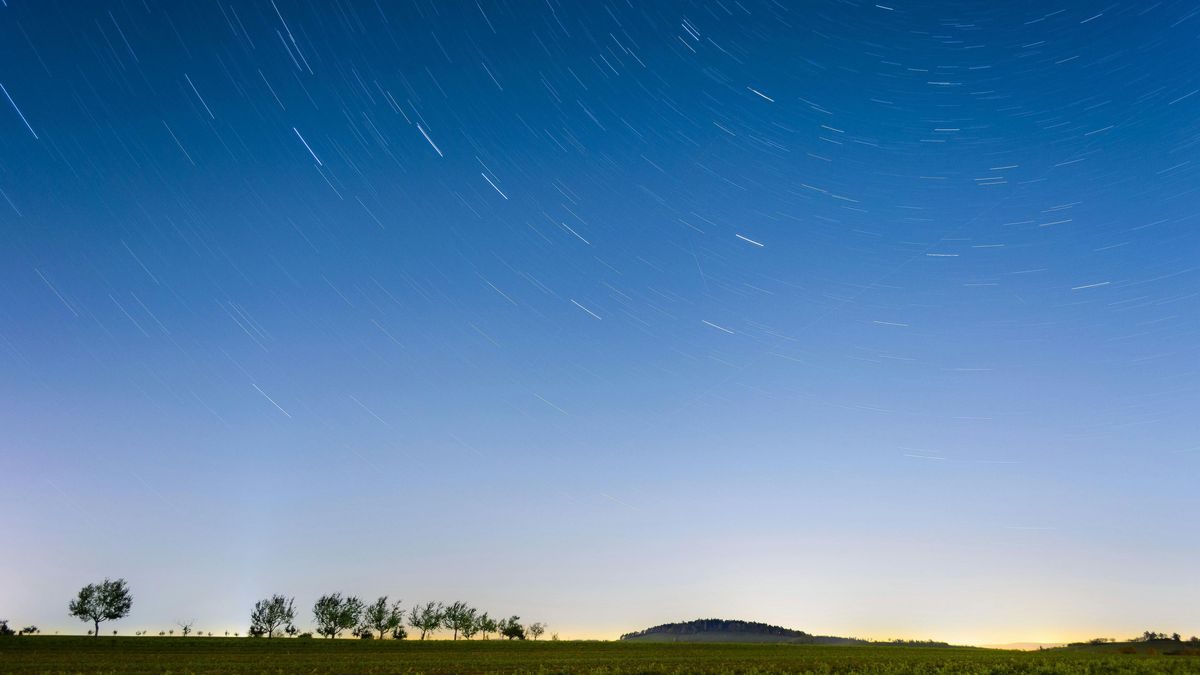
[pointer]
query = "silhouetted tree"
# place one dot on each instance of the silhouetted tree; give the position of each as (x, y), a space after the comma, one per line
(536, 629)
(334, 614)
(398, 633)
(458, 618)
(470, 623)
(272, 614)
(383, 617)
(5, 631)
(487, 625)
(106, 601)
(185, 627)
(28, 630)
(426, 618)
(512, 629)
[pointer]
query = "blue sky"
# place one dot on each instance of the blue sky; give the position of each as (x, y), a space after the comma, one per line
(859, 319)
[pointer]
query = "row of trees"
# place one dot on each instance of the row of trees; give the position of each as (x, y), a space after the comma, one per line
(1151, 636)
(5, 631)
(335, 614)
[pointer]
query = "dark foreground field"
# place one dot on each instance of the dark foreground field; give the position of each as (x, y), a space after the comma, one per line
(53, 654)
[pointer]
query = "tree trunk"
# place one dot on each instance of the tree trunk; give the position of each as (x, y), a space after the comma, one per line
(96, 633)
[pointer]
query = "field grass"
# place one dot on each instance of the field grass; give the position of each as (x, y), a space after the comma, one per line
(167, 655)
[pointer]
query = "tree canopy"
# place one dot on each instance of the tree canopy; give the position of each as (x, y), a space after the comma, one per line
(106, 601)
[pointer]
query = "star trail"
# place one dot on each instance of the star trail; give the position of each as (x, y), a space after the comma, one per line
(826, 314)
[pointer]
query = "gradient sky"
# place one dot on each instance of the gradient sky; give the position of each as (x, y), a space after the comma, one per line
(863, 319)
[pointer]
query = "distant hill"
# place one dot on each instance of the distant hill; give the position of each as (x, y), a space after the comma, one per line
(724, 630)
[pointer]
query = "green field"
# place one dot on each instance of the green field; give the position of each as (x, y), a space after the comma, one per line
(53, 654)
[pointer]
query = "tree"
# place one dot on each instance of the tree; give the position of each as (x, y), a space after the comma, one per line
(105, 601)
(272, 615)
(185, 627)
(426, 618)
(5, 631)
(398, 633)
(487, 625)
(334, 614)
(536, 629)
(383, 617)
(29, 630)
(459, 618)
(512, 629)
(470, 623)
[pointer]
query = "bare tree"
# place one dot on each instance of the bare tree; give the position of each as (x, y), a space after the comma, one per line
(185, 627)
(105, 601)
(536, 629)
(383, 617)
(272, 615)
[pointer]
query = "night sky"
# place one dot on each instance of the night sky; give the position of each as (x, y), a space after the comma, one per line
(862, 319)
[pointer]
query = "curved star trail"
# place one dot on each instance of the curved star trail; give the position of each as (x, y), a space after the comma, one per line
(587, 309)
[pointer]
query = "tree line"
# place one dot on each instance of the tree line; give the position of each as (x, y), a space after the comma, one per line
(333, 615)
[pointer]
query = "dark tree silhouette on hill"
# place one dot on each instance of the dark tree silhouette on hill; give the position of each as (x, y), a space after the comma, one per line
(426, 618)
(334, 614)
(487, 625)
(106, 601)
(459, 618)
(271, 615)
(383, 617)
(512, 629)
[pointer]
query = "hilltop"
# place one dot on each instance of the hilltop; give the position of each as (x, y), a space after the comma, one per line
(725, 630)
(1153, 646)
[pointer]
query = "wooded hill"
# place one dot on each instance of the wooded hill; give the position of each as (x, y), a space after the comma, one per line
(724, 630)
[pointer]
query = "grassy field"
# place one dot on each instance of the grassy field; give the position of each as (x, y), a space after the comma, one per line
(54, 654)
